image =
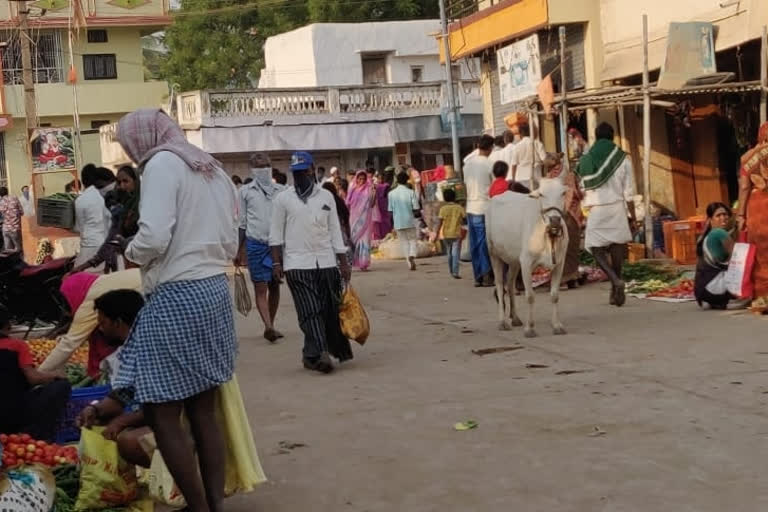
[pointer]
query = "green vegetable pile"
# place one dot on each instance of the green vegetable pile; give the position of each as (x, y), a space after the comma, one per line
(78, 377)
(644, 272)
(585, 258)
(67, 487)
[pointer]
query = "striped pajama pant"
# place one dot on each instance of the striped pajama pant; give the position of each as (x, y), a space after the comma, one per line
(316, 296)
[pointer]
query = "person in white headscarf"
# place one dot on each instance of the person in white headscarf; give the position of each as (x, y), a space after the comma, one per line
(333, 176)
(255, 219)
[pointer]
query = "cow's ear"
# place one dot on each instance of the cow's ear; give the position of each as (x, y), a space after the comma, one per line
(535, 194)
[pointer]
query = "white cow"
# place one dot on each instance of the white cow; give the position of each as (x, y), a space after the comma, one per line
(526, 231)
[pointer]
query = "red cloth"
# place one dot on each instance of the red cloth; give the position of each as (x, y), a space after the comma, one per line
(21, 348)
(98, 350)
(499, 186)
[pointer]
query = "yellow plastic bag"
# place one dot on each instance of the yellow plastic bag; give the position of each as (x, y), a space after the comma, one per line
(243, 469)
(106, 480)
(354, 320)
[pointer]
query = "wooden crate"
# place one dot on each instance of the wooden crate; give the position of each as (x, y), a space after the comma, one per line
(636, 252)
(680, 239)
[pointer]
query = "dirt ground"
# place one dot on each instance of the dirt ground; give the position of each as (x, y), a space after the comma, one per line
(665, 410)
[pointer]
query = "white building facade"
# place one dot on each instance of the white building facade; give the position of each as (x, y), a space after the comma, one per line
(348, 93)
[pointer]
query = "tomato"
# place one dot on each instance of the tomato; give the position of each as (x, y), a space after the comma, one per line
(41, 444)
(25, 438)
(39, 452)
(9, 461)
(48, 461)
(31, 447)
(14, 438)
(37, 460)
(20, 452)
(3, 438)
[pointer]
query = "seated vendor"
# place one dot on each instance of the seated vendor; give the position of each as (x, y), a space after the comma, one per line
(32, 401)
(714, 249)
(117, 310)
(81, 290)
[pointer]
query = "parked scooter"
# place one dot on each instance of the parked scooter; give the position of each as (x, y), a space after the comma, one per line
(31, 292)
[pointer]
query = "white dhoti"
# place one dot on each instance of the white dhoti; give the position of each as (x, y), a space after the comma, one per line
(607, 224)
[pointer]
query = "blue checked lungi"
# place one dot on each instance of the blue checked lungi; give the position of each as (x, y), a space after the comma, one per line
(183, 342)
(259, 260)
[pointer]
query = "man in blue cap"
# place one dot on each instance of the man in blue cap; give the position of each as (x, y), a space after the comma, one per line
(306, 243)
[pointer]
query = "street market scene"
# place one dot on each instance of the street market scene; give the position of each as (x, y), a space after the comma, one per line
(370, 255)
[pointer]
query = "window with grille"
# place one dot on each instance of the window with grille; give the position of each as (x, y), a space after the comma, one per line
(97, 36)
(100, 66)
(47, 57)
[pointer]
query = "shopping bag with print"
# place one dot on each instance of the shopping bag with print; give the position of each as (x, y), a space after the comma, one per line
(738, 278)
(106, 480)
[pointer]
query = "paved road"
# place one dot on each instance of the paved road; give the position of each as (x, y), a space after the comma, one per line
(677, 395)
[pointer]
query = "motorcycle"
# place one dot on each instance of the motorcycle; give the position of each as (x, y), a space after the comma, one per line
(31, 293)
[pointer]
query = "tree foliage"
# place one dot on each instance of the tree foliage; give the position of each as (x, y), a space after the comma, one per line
(219, 43)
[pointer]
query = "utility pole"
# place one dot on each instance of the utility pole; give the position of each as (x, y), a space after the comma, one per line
(647, 144)
(30, 103)
(564, 106)
(454, 114)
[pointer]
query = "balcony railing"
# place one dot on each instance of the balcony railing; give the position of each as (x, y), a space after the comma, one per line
(323, 104)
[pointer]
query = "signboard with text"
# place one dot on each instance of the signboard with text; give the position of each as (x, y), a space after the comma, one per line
(519, 69)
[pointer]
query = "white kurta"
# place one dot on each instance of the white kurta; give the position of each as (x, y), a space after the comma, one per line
(607, 221)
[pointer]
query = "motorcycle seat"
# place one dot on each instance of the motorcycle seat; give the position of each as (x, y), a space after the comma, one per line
(33, 270)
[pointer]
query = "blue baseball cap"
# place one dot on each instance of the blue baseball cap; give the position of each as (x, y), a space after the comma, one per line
(301, 161)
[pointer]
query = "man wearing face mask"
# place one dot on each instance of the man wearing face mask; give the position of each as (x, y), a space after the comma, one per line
(92, 218)
(306, 242)
(255, 219)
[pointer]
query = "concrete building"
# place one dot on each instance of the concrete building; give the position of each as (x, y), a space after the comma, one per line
(107, 61)
(350, 93)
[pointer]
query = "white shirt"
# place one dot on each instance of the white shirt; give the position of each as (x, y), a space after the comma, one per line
(619, 188)
(310, 232)
(28, 204)
(187, 223)
(477, 179)
(523, 157)
(92, 219)
(256, 211)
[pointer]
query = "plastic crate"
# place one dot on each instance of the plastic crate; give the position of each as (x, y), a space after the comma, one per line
(56, 213)
(67, 431)
(680, 239)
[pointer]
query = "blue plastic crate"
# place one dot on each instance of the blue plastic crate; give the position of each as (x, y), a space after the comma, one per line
(67, 431)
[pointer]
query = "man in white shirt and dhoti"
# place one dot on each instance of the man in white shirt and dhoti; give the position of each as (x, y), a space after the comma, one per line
(605, 173)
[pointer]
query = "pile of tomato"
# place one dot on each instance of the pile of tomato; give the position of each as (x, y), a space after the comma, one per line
(682, 290)
(22, 449)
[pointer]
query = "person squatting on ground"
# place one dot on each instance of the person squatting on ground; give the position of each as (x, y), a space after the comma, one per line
(182, 347)
(306, 242)
(255, 219)
(117, 311)
(33, 401)
(609, 188)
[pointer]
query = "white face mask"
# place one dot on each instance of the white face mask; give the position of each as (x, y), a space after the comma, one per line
(109, 188)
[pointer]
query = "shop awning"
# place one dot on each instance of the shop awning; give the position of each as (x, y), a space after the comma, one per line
(493, 25)
(616, 96)
(328, 137)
